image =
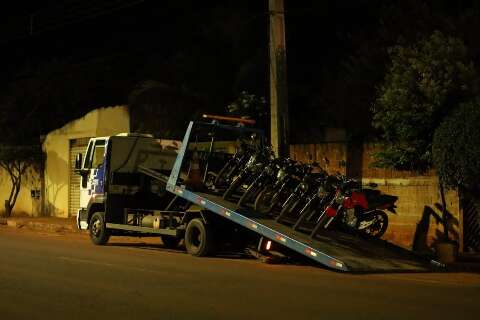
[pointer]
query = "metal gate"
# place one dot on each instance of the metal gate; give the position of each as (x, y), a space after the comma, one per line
(76, 146)
(471, 223)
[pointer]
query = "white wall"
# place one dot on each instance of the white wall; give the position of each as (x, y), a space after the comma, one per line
(25, 204)
(99, 122)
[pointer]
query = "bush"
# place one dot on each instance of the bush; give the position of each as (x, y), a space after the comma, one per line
(456, 147)
(425, 81)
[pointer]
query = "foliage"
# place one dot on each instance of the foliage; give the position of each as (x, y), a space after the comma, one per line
(456, 147)
(424, 82)
(249, 106)
(16, 160)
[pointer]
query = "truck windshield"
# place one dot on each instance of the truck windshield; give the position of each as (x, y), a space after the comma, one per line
(95, 155)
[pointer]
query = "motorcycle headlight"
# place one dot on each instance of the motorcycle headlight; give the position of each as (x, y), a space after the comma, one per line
(250, 162)
(281, 174)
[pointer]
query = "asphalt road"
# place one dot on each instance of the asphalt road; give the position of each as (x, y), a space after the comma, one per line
(51, 276)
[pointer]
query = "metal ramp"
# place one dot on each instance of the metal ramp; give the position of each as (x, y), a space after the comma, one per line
(333, 249)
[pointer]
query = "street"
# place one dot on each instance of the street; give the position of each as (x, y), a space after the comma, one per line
(64, 276)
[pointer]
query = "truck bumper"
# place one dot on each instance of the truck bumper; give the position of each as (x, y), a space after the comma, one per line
(82, 222)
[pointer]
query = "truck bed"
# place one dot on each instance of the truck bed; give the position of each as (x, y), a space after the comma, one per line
(333, 249)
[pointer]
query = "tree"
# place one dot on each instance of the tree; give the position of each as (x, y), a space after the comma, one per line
(456, 148)
(249, 106)
(16, 160)
(425, 82)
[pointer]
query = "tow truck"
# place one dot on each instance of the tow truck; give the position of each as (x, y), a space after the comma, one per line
(135, 184)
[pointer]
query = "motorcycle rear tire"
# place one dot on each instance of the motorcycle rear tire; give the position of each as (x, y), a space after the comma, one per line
(384, 226)
(288, 207)
(264, 201)
(250, 193)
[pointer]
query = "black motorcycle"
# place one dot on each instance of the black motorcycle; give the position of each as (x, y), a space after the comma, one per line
(300, 192)
(265, 178)
(234, 164)
(316, 201)
(255, 164)
(273, 195)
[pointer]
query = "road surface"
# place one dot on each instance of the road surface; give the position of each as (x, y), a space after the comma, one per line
(54, 276)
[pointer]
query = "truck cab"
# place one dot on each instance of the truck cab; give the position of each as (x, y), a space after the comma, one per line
(111, 181)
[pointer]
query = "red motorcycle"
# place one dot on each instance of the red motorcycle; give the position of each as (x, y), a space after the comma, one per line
(357, 209)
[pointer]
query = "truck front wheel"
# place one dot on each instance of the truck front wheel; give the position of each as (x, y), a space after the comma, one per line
(98, 230)
(198, 238)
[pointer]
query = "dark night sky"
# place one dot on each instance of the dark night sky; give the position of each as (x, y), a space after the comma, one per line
(336, 50)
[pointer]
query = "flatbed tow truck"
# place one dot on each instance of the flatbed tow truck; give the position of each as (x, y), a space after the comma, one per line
(136, 185)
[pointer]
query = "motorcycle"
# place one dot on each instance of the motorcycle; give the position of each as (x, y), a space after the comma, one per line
(252, 168)
(265, 178)
(356, 209)
(233, 165)
(300, 192)
(285, 180)
(316, 201)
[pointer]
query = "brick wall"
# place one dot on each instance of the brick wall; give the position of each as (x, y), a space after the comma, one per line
(415, 225)
(335, 152)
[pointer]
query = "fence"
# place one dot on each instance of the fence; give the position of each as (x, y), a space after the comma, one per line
(416, 226)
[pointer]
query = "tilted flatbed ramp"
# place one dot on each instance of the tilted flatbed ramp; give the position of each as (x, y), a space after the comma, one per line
(332, 249)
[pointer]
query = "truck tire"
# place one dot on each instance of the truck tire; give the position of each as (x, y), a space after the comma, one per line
(170, 242)
(98, 230)
(198, 238)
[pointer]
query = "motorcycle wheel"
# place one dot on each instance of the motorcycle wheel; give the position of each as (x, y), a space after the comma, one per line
(288, 207)
(250, 193)
(306, 212)
(378, 228)
(263, 201)
(233, 187)
(220, 179)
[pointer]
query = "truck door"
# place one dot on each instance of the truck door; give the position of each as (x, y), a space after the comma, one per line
(94, 164)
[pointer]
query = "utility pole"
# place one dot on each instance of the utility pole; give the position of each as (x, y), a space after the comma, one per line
(278, 79)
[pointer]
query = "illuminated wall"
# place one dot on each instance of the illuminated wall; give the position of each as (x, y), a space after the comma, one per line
(27, 203)
(99, 122)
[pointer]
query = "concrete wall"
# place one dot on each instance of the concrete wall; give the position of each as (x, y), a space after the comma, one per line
(25, 204)
(415, 224)
(100, 122)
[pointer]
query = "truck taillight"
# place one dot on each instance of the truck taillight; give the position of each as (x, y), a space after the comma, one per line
(269, 245)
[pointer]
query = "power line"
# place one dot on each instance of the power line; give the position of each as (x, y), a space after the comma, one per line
(86, 12)
(53, 18)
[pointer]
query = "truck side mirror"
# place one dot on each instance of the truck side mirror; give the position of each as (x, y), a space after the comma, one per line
(78, 162)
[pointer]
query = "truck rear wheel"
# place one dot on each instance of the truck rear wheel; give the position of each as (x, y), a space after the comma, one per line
(98, 230)
(198, 238)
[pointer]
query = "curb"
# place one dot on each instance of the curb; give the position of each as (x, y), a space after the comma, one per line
(66, 226)
(464, 267)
